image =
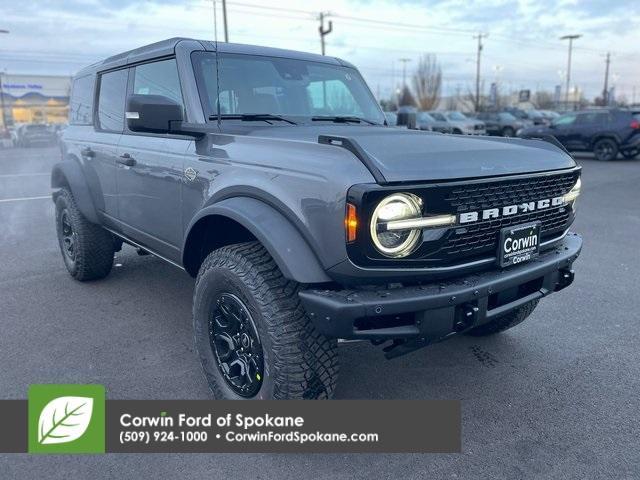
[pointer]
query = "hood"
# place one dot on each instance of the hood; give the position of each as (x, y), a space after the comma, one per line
(411, 155)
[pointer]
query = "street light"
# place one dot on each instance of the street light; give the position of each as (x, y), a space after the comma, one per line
(571, 38)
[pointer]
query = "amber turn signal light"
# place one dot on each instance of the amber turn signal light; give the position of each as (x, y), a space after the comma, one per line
(351, 223)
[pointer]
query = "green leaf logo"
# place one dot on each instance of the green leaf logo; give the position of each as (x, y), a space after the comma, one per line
(64, 419)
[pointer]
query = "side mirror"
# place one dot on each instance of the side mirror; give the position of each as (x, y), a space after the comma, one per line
(152, 113)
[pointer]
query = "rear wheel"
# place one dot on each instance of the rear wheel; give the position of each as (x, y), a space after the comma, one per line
(252, 335)
(87, 249)
(505, 322)
(605, 149)
(508, 132)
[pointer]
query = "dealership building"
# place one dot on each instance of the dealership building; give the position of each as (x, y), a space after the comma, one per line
(34, 99)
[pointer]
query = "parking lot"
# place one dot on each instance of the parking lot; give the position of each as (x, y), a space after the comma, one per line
(556, 397)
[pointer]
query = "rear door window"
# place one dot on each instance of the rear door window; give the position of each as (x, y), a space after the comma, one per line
(111, 99)
(593, 118)
(81, 102)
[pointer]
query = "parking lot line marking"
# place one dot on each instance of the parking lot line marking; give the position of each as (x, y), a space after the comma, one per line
(24, 198)
(25, 175)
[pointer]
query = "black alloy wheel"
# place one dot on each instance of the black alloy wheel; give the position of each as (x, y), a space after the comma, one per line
(236, 345)
(605, 149)
(68, 236)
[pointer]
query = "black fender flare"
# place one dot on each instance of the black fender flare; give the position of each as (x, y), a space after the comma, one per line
(274, 231)
(69, 174)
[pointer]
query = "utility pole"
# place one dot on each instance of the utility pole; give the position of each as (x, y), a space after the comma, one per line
(224, 19)
(571, 38)
(324, 31)
(605, 92)
(480, 36)
(4, 118)
(404, 62)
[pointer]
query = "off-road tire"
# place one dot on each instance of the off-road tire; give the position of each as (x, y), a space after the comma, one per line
(94, 246)
(505, 322)
(605, 149)
(299, 362)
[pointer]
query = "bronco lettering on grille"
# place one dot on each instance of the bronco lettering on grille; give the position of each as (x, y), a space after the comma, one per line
(491, 213)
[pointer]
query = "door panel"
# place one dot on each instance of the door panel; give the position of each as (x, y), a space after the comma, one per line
(149, 192)
(100, 155)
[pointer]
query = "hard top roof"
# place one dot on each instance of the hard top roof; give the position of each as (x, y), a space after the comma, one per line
(167, 47)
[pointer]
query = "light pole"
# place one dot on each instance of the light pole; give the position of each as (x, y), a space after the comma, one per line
(404, 62)
(571, 38)
(4, 118)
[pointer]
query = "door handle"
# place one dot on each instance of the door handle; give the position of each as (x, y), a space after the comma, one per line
(87, 152)
(126, 159)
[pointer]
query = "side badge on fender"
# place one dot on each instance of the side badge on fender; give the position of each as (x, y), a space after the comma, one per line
(190, 174)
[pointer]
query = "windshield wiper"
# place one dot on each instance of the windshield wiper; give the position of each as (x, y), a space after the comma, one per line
(251, 117)
(342, 119)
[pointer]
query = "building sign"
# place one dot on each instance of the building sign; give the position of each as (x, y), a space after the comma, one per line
(34, 98)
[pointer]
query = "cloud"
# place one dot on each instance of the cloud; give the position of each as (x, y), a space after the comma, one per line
(522, 50)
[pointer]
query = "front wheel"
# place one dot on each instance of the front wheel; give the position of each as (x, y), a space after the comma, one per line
(605, 149)
(505, 322)
(252, 334)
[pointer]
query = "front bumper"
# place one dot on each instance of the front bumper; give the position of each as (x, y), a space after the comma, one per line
(432, 312)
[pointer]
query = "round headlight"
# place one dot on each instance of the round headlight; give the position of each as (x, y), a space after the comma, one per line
(395, 243)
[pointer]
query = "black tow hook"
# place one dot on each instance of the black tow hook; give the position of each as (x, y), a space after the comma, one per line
(466, 318)
(565, 278)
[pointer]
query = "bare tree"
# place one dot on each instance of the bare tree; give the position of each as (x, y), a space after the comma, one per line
(427, 82)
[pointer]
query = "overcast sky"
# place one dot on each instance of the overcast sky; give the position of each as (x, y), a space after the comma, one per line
(522, 50)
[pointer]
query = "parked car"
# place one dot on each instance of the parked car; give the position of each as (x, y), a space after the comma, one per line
(32, 134)
(427, 122)
(528, 117)
(460, 123)
(549, 114)
(303, 222)
(392, 118)
(500, 123)
(5, 138)
(605, 132)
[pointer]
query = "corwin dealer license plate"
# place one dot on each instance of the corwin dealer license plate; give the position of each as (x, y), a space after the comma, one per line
(518, 244)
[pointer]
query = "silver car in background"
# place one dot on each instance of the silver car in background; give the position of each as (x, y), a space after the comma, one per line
(460, 123)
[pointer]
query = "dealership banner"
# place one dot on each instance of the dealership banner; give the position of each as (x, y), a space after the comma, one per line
(59, 419)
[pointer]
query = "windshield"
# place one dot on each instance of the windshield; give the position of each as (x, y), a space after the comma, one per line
(507, 117)
(424, 117)
(456, 116)
(296, 89)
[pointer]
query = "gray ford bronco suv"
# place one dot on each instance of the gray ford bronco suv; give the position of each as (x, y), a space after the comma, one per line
(271, 177)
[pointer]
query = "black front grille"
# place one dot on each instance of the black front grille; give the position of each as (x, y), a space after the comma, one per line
(479, 240)
(480, 196)
(484, 236)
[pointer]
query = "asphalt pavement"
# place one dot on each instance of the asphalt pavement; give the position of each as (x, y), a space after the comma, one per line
(556, 397)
